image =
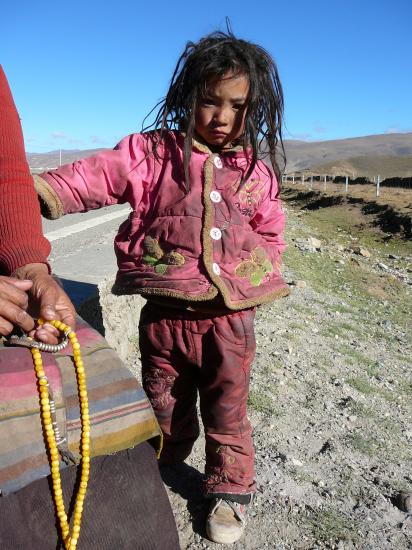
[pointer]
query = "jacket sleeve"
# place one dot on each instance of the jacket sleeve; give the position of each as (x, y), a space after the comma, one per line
(21, 237)
(112, 177)
(269, 221)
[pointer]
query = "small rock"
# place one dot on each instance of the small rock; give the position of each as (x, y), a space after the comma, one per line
(383, 266)
(404, 502)
(326, 447)
(356, 249)
(298, 283)
(315, 243)
(296, 462)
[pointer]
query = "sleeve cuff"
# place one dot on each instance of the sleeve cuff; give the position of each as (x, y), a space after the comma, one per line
(50, 204)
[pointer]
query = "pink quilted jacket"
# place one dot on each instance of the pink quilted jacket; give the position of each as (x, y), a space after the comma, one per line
(218, 239)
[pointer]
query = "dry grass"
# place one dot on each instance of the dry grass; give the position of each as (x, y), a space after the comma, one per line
(396, 197)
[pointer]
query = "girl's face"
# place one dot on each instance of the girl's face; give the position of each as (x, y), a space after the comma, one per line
(220, 114)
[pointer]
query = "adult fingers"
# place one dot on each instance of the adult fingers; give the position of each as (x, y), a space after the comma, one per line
(22, 284)
(13, 315)
(55, 304)
(52, 303)
(14, 291)
(13, 305)
(46, 333)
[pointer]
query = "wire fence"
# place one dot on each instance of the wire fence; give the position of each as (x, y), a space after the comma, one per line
(346, 182)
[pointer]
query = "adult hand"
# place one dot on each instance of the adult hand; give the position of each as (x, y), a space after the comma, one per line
(46, 300)
(13, 305)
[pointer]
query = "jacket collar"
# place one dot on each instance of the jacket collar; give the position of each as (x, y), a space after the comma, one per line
(202, 147)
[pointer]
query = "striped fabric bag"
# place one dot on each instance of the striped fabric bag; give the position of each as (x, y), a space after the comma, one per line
(120, 414)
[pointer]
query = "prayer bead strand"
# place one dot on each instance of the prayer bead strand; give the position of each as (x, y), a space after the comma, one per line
(52, 434)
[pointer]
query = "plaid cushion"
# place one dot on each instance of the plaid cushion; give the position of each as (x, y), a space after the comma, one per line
(120, 413)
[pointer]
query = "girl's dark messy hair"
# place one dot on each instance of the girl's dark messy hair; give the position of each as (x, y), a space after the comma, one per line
(214, 56)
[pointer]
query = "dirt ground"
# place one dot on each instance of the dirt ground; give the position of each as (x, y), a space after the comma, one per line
(330, 398)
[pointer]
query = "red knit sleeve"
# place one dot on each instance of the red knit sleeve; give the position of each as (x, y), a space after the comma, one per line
(21, 236)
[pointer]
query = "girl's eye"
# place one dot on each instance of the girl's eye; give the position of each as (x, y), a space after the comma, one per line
(207, 102)
(238, 106)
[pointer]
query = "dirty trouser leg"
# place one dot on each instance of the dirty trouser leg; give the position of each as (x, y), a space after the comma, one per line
(169, 379)
(228, 351)
(185, 350)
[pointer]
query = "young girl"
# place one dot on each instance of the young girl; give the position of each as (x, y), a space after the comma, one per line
(203, 245)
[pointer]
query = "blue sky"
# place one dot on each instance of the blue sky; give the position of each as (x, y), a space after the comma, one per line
(84, 74)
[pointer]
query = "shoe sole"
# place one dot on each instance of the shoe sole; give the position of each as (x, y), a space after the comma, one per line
(222, 539)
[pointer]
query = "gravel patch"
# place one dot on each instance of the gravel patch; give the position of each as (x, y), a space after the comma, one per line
(330, 403)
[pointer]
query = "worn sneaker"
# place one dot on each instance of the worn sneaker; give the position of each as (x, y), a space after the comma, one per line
(226, 521)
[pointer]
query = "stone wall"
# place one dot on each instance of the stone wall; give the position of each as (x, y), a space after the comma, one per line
(117, 318)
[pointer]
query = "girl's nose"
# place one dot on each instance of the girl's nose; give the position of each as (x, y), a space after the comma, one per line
(221, 117)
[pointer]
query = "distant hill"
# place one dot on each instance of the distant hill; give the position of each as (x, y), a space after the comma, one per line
(308, 154)
(389, 155)
(39, 162)
(384, 166)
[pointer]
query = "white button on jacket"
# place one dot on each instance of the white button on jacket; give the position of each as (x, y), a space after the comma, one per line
(218, 162)
(216, 269)
(215, 196)
(215, 233)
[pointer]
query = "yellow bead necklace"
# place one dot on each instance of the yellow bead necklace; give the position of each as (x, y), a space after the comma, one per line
(52, 434)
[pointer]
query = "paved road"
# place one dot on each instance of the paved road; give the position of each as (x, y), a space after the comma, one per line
(82, 248)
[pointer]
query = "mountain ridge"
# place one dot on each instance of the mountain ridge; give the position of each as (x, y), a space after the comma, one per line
(300, 155)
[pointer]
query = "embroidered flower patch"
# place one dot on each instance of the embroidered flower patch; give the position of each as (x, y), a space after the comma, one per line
(256, 268)
(249, 196)
(159, 260)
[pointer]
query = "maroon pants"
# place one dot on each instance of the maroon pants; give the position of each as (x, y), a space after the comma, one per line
(183, 354)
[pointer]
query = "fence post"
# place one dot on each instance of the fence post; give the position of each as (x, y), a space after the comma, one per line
(378, 181)
(346, 184)
(293, 179)
(324, 183)
(303, 179)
